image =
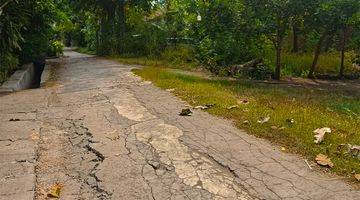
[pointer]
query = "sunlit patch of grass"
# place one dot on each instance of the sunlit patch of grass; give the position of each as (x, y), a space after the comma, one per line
(311, 109)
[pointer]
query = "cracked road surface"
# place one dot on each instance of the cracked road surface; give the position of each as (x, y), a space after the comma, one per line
(103, 133)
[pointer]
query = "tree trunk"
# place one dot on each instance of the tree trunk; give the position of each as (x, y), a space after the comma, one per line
(121, 27)
(105, 35)
(342, 67)
(328, 43)
(278, 46)
(316, 55)
(278, 62)
(295, 38)
(344, 39)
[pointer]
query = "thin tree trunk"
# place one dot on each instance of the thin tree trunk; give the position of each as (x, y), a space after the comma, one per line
(278, 46)
(316, 55)
(122, 17)
(278, 62)
(328, 43)
(344, 40)
(121, 29)
(295, 38)
(342, 67)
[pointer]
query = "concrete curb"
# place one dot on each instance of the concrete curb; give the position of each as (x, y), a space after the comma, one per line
(20, 80)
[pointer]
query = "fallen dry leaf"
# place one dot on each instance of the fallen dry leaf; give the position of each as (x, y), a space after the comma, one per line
(232, 107)
(246, 122)
(323, 160)
(320, 133)
(357, 176)
(283, 149)
(55, 190)
(243, 101)
(290, 121)
(204, 107)
(263, 120)
(355, 150)
(185, 112)
(201, 107)
(170, 90)
(307, 163)
(34, 136)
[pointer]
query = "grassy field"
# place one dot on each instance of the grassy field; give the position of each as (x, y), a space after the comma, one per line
(309, 108)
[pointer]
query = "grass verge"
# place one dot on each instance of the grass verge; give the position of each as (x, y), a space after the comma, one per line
(310, 108)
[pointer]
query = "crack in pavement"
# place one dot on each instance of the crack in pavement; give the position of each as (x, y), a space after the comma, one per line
(72, 141)
(194, 169)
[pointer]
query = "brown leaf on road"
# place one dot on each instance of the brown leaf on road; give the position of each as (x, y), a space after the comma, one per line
(323, 160)
(55, 190)
(357, 177)
(34, 136)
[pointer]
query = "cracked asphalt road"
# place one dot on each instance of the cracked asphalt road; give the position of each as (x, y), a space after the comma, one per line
(103, 133)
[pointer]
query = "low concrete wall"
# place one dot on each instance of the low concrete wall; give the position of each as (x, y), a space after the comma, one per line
(20, 80)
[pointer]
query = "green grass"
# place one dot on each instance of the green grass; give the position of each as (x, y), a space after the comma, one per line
(85, 50)
(299, 64)
(153, 62)
(310, 108)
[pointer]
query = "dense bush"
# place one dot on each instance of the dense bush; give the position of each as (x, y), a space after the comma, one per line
(179, 54)
(26, 28)
(55, 48)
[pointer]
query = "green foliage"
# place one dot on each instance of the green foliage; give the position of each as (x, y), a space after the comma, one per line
(179, 54)
(259, 72)
(26, 27)
(12, 17)
(55, 48)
